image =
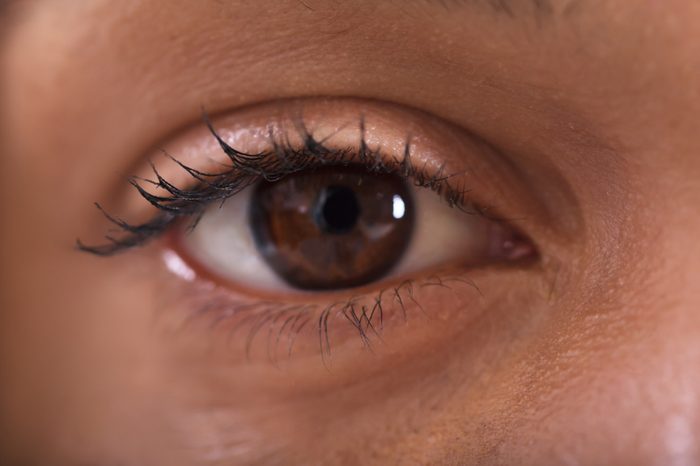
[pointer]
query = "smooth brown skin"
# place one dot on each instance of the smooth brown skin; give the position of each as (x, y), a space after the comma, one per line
(598, 367)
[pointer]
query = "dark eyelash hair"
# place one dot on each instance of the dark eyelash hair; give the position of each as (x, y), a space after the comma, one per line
(243, 170)
(279, 324)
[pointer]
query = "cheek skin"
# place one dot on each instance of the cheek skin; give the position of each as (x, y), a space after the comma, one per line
(611, 379)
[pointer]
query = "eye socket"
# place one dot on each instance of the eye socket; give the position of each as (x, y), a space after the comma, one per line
(336, 228)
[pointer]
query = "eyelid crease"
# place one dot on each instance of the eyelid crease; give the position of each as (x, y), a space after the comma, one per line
(245, 169)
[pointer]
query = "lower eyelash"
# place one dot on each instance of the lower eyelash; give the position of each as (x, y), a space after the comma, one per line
(244, 170)
(281, 323)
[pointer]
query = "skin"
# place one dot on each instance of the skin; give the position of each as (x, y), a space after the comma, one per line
(588, 356)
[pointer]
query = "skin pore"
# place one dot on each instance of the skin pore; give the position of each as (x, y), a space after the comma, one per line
(577, 119)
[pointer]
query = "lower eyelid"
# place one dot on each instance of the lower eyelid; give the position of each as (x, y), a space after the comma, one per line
(420, 315)
(275, 331)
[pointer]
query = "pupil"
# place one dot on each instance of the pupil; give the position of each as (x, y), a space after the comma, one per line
(337, 210)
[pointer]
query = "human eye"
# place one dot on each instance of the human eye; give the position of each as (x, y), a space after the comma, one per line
(299, 226)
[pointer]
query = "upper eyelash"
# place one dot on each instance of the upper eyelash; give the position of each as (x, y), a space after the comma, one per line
(283, 159)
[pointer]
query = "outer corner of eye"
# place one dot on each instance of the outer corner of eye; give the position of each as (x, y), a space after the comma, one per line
(337, 228)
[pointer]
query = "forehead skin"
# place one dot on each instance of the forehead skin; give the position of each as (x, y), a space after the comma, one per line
(605, 92)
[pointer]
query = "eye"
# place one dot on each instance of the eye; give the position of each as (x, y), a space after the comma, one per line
(335, 228)
(314, 236)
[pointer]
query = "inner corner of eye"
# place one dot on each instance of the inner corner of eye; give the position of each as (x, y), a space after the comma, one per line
(341, 227)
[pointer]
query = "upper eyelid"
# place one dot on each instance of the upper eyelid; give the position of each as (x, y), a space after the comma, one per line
(475, 170)
(246, 168)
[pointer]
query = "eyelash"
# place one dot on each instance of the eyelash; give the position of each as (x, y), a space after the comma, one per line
(364, 312)
(283, 159)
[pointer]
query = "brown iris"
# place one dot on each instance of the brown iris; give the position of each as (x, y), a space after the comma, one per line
(332, 228)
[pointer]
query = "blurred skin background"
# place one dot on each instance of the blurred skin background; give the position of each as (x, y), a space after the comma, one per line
(560, 327)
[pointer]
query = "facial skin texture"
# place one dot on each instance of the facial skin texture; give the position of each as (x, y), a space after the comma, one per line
(588, 357)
